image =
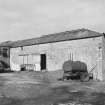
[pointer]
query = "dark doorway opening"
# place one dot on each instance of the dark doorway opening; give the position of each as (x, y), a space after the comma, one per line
(43, 61)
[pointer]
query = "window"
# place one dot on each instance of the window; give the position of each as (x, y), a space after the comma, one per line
(5, 52)
(1, 52)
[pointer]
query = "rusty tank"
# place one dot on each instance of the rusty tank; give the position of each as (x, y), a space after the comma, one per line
(75, 70)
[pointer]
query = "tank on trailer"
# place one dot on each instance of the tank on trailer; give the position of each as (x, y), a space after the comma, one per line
(75, 69)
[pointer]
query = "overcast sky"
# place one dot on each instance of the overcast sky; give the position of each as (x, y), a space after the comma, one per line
(22, 19)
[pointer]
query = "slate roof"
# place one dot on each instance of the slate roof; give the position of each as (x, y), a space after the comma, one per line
(6, 44)
(57, 37)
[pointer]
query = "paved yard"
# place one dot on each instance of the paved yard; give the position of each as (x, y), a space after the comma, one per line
(33, 88)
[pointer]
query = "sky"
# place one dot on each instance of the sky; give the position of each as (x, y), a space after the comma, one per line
(24, 19)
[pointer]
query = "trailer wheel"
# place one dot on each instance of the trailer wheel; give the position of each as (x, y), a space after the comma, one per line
(84, 77)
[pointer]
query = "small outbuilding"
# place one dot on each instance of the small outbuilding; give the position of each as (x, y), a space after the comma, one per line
(49, 52)
(5, 52)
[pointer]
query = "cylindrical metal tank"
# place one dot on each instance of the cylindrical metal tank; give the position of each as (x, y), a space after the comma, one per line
(74, 66)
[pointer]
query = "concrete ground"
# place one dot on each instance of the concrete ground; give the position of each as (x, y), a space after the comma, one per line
(35, 88)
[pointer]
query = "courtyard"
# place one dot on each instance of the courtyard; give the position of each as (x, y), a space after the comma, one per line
(43, 88)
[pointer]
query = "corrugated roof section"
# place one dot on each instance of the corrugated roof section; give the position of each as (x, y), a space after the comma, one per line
(62, 36)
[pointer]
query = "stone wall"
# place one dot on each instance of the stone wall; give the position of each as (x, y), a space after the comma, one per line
(85, 50)
(103, 57)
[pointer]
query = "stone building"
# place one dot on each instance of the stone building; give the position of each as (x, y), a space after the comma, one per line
(5, 52)
(49, 52)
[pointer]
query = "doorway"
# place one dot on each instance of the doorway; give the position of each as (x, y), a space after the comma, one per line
(43, 61)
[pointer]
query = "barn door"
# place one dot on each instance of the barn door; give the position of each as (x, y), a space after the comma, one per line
(43, 61)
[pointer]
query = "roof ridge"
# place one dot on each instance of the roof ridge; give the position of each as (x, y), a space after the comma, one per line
(61, 36)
